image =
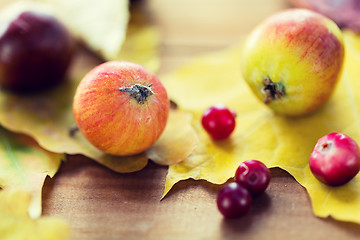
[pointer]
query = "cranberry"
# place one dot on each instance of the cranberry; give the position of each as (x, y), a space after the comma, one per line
(254, 175)
(234, 200)
(218, 121)
(335, 159)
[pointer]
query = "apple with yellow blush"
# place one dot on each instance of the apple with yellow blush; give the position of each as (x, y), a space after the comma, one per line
(292, 61)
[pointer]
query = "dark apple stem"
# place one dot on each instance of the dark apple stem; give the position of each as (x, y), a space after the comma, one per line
(139, 92)
(272, 90)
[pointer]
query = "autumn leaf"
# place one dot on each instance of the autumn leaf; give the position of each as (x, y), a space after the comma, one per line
(260, 134)
(49, 120)
(16, 224)
(177, 141)
(114, 29)
(48, 117)
(102, 25)
(142, 40)
(24, 165)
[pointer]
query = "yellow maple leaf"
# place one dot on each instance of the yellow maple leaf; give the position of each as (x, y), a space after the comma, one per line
(24, 165)
(49, 120)
(48, 117)
(114, 29)
(142, 40)
(260, 134)
(15, 223)
(102, 25)
(177, 141)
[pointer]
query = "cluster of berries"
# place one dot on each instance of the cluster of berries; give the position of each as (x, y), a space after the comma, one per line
(334, 161)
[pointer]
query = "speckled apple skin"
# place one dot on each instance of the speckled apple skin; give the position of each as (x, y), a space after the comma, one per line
(112, 120)
(302, 50)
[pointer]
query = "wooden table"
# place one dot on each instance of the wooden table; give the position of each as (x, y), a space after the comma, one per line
(102, 204)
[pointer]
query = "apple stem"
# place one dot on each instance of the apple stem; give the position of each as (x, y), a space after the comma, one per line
(272, 90)
(139, 92)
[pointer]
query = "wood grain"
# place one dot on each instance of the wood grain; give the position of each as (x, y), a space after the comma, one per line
(102, 204)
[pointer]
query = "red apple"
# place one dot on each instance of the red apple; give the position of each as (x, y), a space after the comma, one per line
(35, 52)
(335, 159)
(121, 108)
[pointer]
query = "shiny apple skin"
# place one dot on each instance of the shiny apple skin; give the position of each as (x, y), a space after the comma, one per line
(302, 50)
(114, 121)
(335, 159)
(35, 53)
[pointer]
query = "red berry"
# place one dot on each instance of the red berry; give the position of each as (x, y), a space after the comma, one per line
(218, 121)
(254, 175)
(335, 159)
(233, 200)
